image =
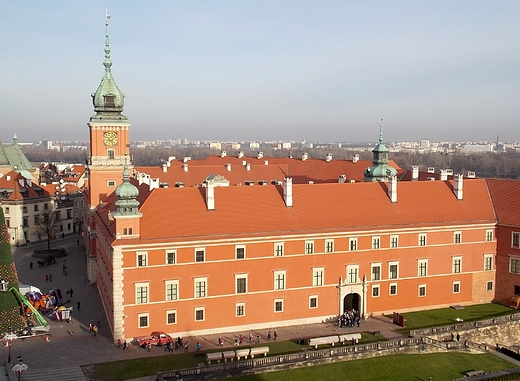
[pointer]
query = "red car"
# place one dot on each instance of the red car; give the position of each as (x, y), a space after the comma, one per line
(155, 338)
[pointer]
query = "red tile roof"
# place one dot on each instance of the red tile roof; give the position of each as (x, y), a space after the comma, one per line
(504, 194)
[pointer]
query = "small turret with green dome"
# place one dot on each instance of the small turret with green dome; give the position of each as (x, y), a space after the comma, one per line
(380, 170)
(126, 193)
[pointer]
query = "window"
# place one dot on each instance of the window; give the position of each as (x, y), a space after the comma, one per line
(171, 257)
(394, 241)
(514, 265)
(111, 183)
(37, 219)
(6, 210)
(313, 301)
(393, 270)
(35, 207)
(142, 259)
(8, 223)
(24, 209)
(69, 214)
(352, 273)
(422, 267)
(25, 222)
(110, 153)
(457, 237)
(141, 293)
(172, 290)
(309, 247)
(241, 284)
(456, 265)
(489, 235)
(279, 280)
(200, 255)
(317, 277)
(489, 285)
(278, 305)
(376, 271)
(456, 287)
(128, 232)
(352, 244)
(329, 245)
(376, 243)
(240, 309)
(171, 317)
(143, 320)
(240, 252)
(375, 291)
(488, 262)
(199, 314)
(516, 290)
(422, 290)
(393, 289)
(200, 287)
(45, 206)
(278, 249)
(515, 240)
(422, 239)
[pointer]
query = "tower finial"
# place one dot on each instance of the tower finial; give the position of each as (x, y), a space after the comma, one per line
(381, 131)
(107, 63)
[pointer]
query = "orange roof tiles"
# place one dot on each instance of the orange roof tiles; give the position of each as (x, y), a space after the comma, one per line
(504, 194)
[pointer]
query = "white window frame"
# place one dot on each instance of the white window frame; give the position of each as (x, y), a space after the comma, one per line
(488, 262)
(198, 293)
(352, 274)
(111, 183)
(380, 274)
(199, 309)
(456, 265)
(279, 249)
(280, 276)
(139, 287)
(422, 239)
(143, 315)
(172, 297)
(318, 276)
(490, 235)
(515, 240)
(276, 301)
(376, 288)
(309, 247)
(244, 277)
(174, 256)
(422, 267)
(457, 237)
(456, 285)
(514, 265)
(199, 249)
(390, 275)
(390, 289)
(329, 245)
(489, 285)
(352, 244)
(376, 242)
(394, 241)
(239, 248)
(168, 312)
(141, 259)
(241, 306)
(311, 299)
(420, 288)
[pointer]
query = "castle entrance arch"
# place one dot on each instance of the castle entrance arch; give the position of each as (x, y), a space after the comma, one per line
(351, 301)
(352, 295)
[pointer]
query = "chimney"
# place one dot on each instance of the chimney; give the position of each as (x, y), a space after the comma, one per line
(165, 167)
(186, 159)
(223, 154)
(305, 156)
(248, 167)
(287, 191)
(266, 162)
(444, 175)
(260, 155)
(228, 167)
(329, 157)
(170, 160)
(210, 196)
(457, 187)
(355, 158)
(185, 167)
(241, 154)
(415, 172)
(342, 179)
(392, 188)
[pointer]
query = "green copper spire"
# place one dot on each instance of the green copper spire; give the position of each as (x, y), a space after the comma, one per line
(108, 99)
(380, 170)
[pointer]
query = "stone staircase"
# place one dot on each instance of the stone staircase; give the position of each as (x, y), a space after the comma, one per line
(53, 373)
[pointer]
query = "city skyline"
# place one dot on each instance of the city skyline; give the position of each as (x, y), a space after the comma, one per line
(266, 71)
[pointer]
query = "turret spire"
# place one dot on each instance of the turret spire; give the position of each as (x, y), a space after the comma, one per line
(381, 131)
(107, 63)
(380, 170)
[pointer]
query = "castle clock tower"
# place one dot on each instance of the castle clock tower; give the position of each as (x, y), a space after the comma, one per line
(109, 135)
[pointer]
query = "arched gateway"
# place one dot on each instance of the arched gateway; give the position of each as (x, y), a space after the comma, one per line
(352, 295)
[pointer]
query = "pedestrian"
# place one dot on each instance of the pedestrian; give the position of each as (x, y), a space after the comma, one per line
(275, 334)
(240, 339)
(124, 344)
(258, 339)
(99, 323)
(95, 330)
(31, 265)
(46, 278)
(70, 292)
(458, 337)
(186, 346)
(119, 343)
(90, 327)
(78, 304)
(268, 335)
(199, 347)
(250, 338)
(50, 277)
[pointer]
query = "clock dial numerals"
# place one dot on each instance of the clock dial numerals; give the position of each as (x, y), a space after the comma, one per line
(110, 138)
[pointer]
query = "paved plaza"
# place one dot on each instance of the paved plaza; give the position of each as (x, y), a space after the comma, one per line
(72, 344)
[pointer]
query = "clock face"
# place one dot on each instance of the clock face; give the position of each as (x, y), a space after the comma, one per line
(110, 138)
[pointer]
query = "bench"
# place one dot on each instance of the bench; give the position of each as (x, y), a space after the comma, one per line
(348, 337)
(228, 355)
(215, 356)
(242, 353)
(258, 351)
(474, 373)
(314, 342)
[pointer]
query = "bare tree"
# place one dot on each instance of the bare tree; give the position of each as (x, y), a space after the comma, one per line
(47, 226)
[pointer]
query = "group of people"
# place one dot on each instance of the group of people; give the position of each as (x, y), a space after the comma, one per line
(349, 318)
(94, 328)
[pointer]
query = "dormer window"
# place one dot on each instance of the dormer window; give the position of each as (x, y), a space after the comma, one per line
(110, 100)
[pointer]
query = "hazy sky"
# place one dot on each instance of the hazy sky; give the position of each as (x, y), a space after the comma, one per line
(265, 70)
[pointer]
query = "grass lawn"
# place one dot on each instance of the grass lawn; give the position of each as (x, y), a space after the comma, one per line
(446, 316)
(439, 366)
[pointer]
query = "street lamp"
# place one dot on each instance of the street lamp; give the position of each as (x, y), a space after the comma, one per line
(20, 367)
(8, 340)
